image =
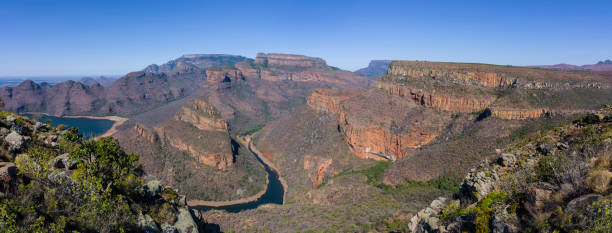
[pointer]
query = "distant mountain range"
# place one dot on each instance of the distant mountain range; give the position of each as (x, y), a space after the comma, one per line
(102, 80)
(599, 66)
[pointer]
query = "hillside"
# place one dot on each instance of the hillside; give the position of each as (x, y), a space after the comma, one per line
(429, 123)
(190, 143)
(53, 180)
(194, 152)
(131, 94)
(555, 181)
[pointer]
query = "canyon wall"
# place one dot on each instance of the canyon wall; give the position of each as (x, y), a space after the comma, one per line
(441, 100)
(375, 128)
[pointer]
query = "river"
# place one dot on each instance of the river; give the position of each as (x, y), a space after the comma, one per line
(274, 191)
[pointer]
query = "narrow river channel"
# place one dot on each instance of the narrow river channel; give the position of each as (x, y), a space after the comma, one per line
(273, 195)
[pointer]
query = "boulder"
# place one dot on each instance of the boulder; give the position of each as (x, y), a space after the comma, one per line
(14, 140)
(4, 132)
(60, 177)
(507, 160)
(165, 228)
(432, 224)
(147, 225)
(41, 127)
(479, 181)
(503, 222)
(8, 170)
(10, 120)
(184, 222)
(580, 203)
(64, 162)
(152, 188)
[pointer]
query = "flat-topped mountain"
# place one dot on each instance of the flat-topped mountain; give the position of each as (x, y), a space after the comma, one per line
(276, 59)
(375, 69)
(193, 62)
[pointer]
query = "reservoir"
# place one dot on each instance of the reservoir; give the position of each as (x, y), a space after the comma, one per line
(87, 127)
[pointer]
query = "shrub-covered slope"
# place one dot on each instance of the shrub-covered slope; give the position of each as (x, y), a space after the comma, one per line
(53, 180)
(554, 181)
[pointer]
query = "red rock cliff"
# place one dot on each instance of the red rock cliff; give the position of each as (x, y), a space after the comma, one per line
(439, 100)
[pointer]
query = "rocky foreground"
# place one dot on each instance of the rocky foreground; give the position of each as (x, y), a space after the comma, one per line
(53, 180)
(556, 181)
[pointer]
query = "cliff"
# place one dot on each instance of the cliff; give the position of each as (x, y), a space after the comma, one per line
(223, 74)
(441, 98)
(493, 76)
(513, 93)
(370, 124)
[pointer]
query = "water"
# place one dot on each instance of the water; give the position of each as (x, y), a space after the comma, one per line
(87, 127)
(273, 195)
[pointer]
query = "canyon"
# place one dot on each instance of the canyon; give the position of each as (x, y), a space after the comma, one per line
(337, 141)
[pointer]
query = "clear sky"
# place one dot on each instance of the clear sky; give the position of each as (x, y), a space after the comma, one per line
(116, 37)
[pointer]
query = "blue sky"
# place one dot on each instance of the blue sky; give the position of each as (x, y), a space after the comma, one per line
(116, 37)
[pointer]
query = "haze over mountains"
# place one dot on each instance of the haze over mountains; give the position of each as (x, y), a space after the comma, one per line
(599, 66)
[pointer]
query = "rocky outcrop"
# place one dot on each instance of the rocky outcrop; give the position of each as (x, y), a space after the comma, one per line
(460, 73)
(327, 100)
(219, 160)
(493, 76)
(370, 142)
(316, 166)
(377, 134)
(275, 59)
(480, 181)
(147, 134)
(224, 74)
(518, 114)
(202, 115)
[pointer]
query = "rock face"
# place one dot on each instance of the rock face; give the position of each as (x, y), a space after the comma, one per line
(224, 74)
(518, 114)
(317, 168)
(460, 73)
(202, 115)
(198, 129)
(375, 69)
(512, 93)
(377, 134)
(459, 103)
(327, 100)
(275, 59)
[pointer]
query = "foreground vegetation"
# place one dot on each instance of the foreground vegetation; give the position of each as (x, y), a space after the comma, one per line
(555, 181)
(54, 180)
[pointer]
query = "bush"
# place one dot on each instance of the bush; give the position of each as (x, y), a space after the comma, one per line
(587, 119)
